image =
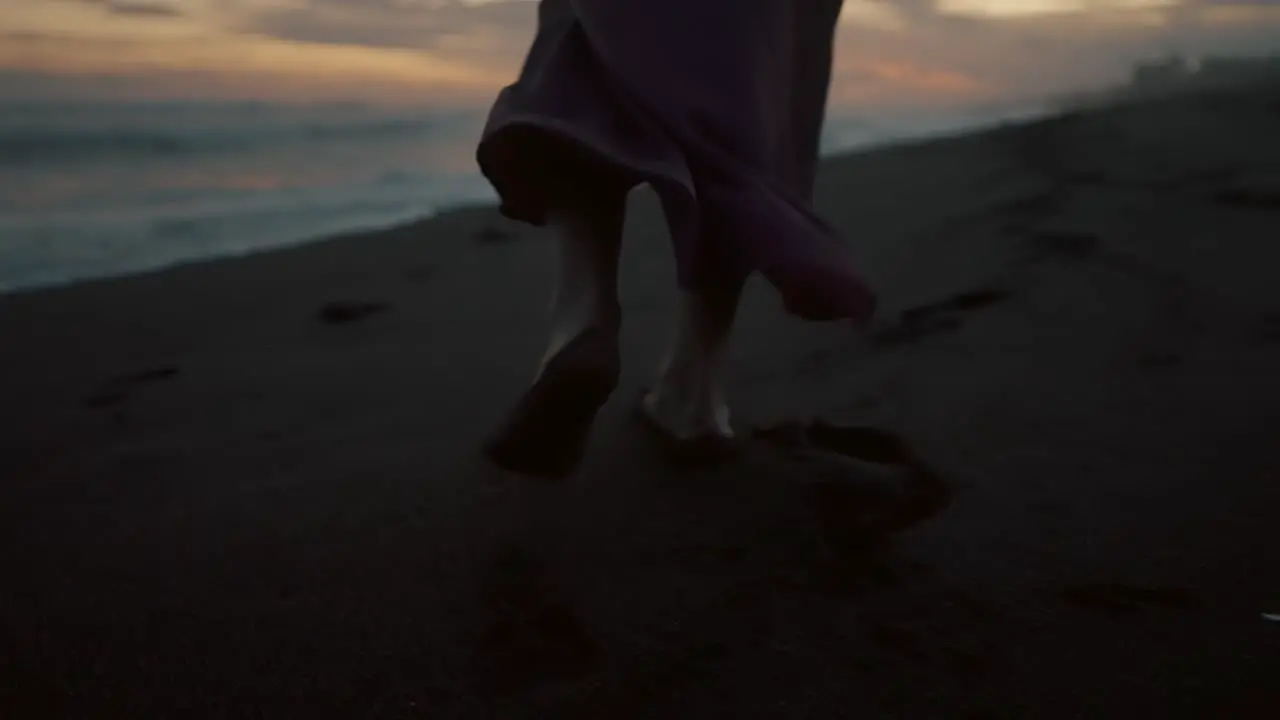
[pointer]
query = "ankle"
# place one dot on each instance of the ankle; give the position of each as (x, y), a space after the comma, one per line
(570, 324)
(688, 405)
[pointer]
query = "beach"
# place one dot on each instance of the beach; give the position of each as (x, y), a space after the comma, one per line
(250, 487)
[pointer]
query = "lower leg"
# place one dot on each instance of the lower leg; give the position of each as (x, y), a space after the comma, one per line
(546, 432)
(688, 398)
(589, 241)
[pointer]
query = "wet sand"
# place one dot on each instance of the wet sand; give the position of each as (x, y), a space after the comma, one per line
(249, 488)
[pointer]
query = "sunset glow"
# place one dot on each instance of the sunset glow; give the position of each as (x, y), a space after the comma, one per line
(461, 51)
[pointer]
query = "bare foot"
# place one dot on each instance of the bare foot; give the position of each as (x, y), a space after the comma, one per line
(545, 434)
(687, 433)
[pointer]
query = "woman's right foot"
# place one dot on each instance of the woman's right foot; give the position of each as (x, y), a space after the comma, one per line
(545, 434)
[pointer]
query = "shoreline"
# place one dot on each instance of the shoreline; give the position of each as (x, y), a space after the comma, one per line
(1009, 120)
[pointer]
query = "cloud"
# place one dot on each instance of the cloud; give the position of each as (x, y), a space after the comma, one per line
(144, 8)
(410, 24)
(29, 36)
(888, 51)
(1236, 3)
(1031, 8)
(136, 8)
(876, 14)
(1032, 56)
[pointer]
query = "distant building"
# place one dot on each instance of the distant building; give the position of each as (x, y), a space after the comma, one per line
(1177, 71)
(1162, 73)
(1230, 68)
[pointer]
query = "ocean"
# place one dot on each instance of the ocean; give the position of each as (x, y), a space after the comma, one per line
(106, 189)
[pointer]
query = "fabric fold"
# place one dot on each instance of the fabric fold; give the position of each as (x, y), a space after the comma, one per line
(717, 104)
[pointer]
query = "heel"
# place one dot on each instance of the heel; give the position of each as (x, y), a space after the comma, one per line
(545, 434)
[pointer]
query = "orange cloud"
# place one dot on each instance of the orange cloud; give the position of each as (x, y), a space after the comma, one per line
(922, 78)
(860, 79)
(889, 51)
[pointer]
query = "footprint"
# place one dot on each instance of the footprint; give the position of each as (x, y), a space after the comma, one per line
(977, 609)
(490, 235)
(1161, 360)
(974, 299)
(861, 442)
(961, 661)
(533, 637)
(116, 390)
(895, 698)
(909, 330)
(419, 274)
(340, 312)
(918, 492)
(1264, 330)
(897, 639)
(1029, 206)
(1087, 176)
(1063, 244)
(864, 484)
(664, 674)
(1120, 599)
(105, 399)
(1249, 198)
(146, 376)
(921, 321)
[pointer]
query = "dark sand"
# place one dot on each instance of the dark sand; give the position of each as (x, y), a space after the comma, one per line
(249, 488)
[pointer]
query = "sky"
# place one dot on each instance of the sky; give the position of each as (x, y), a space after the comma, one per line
(900, 53)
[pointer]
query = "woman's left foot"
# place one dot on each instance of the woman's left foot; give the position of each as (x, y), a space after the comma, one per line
(707, 444)
(545, 434)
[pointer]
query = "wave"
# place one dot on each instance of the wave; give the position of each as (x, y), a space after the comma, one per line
(46, 137)
(843, 133)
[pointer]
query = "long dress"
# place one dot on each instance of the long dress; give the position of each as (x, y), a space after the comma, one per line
(716, 104)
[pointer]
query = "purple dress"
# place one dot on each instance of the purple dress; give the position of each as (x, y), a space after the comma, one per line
(717, 104)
